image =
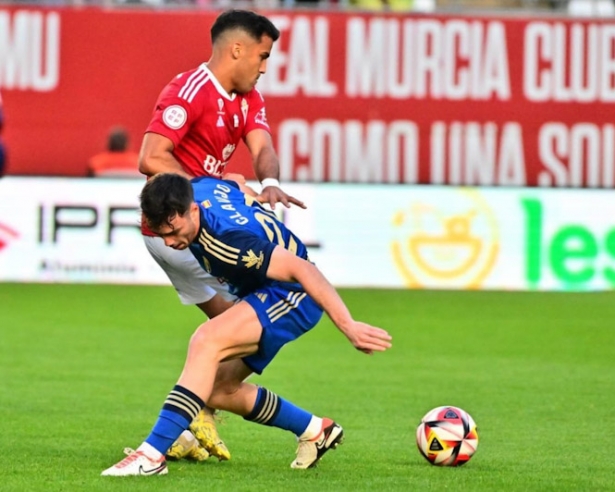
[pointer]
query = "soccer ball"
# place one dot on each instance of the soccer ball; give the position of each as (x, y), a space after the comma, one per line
(447, 436)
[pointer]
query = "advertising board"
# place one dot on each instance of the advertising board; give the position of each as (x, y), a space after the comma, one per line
(351, 98)
(388, 236)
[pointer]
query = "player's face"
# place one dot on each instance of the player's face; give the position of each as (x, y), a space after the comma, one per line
(252, 62)
(181, 230)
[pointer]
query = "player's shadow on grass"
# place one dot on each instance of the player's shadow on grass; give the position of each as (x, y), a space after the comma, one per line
(418, 464)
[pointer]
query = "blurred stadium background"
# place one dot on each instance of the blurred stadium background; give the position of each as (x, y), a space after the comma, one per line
(458, 162)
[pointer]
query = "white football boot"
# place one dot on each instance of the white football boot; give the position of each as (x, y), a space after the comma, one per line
(310, 451)
(135, 464)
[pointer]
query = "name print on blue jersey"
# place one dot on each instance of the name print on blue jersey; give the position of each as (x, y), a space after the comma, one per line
(221, 194)
(238, 235)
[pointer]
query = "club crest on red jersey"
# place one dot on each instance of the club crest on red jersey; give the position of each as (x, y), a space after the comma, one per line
(244, 109)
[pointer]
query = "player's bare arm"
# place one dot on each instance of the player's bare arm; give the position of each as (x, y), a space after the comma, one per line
(241, 181)
(156, 156)
(287, 267)
(267, 165)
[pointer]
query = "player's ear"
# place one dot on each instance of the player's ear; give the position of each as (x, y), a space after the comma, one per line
(236, 49)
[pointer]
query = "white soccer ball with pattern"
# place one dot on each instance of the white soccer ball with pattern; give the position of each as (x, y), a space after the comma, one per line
(447, 436)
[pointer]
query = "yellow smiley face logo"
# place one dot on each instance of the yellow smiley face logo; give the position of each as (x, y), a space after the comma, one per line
(446, 245)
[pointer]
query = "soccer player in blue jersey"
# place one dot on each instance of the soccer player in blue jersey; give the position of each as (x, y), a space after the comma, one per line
(281, 295)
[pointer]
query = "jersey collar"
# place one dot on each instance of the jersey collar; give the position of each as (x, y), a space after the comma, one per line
(217, 85)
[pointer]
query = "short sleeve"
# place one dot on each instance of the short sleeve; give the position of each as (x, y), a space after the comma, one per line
(257, 115)
(173, 116)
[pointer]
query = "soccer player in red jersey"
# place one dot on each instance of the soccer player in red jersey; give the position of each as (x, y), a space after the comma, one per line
(198, 121)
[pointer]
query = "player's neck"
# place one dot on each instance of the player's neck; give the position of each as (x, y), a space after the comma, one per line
(222, 75)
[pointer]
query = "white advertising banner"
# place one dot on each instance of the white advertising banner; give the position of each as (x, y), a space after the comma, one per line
(398, 236)
(466, 238)
(73, 230)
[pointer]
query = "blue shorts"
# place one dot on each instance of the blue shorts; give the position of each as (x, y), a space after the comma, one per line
(285, 314)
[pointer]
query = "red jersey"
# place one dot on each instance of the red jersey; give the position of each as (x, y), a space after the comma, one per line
(204, 122)
(1, 114)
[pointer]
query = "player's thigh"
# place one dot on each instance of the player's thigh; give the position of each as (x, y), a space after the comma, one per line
(234, 333)
(193, 284)
(285, 315)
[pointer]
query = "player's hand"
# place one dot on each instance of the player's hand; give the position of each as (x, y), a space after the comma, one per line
(273, 195)
(367, 338)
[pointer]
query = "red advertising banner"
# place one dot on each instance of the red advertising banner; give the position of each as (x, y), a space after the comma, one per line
(350, 97)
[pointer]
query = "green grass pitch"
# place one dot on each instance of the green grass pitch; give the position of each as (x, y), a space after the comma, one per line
(84, 370)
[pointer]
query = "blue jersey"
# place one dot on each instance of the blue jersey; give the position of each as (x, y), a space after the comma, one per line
(237, 236)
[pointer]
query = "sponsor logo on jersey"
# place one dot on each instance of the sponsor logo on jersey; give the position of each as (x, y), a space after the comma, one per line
(220, 122)
(174, 117)
(261, 118)
(213, 166)
(251, 259)
(206, 204)
(227, 152)
(262, 296)
(206, 264)
(446, 245)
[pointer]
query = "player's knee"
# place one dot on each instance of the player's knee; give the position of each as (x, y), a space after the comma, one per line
(207, 342)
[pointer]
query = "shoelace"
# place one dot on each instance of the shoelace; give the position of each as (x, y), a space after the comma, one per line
(131, 456)
(217, 415)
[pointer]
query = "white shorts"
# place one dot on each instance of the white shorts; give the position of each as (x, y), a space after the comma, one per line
(193, 284)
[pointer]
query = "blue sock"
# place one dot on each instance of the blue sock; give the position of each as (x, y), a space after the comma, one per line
(179, 409)
(274, 411)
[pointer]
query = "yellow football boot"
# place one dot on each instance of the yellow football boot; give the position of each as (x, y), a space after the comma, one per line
(204, 429)
(187, 447)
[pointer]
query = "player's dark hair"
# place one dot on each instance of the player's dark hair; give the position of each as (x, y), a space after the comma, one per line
(164, 197)
(250, 22)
